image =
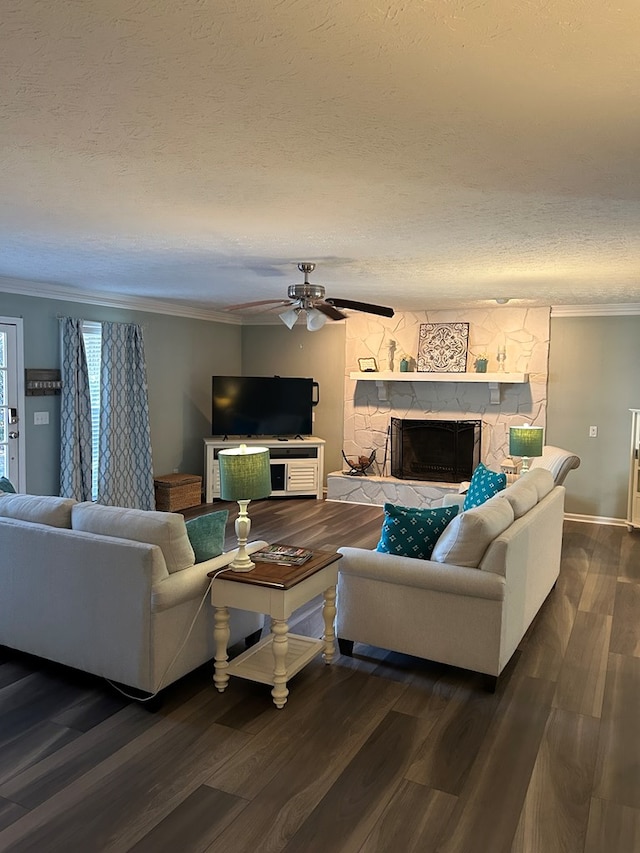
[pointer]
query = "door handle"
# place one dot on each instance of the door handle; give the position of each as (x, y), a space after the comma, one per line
(14, 434)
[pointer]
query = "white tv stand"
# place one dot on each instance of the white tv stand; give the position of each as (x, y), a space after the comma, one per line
(297, 464)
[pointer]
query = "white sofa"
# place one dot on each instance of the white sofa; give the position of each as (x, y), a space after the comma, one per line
(109, 591)
(471, 604)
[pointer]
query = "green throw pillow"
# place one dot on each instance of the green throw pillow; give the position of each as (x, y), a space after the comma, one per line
(206, 534)
(6, 486)
(413, 532)
(485, 483)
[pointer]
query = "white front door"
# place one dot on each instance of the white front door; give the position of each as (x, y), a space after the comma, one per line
(11, 401)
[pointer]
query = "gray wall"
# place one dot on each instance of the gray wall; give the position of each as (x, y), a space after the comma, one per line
(277, 350)
(182, 355)
(593, 381)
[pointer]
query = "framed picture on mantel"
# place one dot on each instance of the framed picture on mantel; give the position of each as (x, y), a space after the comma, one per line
(442, 347)
(367, 365)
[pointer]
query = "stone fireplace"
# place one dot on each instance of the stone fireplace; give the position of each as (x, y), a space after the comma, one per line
(443, 451)
(369, 406)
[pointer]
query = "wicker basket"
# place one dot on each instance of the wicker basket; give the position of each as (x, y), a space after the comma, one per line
(177, 491)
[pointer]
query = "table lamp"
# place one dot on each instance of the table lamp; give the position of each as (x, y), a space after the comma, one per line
(245, 475)
(525, 441)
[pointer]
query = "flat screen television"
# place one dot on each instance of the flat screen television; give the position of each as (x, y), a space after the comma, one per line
(262, 405)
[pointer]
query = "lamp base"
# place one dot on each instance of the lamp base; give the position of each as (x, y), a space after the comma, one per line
(242, 562)
(239, 566)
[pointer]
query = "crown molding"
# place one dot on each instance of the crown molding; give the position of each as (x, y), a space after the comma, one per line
(44, 290)
(622, 309)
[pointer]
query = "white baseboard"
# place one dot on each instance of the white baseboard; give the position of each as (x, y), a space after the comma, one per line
(596, 519)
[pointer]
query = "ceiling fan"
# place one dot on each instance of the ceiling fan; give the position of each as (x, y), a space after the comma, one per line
(310, 299)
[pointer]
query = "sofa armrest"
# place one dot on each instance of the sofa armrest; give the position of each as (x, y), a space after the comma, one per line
(424, 574)
(192, 582)
(453, 500)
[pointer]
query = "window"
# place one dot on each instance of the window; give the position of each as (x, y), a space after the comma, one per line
(105, 446)
(92, 335)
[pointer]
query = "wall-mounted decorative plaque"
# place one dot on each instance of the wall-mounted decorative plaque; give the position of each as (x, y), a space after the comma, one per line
(442, 347)
(40, 382)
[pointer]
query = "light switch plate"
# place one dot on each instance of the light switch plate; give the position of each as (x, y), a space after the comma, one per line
(40, 418)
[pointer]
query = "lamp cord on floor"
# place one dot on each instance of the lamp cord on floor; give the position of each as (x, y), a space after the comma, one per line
(180, 648)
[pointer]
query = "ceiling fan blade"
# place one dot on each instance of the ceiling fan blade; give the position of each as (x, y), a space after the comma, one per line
(275, 302)
(362, 306)
(329, 310)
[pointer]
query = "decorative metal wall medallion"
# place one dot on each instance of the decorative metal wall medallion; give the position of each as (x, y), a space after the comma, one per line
(442, 347)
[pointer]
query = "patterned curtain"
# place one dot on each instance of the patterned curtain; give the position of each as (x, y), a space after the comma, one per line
(125, 475)
(75, 414)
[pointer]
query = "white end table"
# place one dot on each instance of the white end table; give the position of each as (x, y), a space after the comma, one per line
(276, 591)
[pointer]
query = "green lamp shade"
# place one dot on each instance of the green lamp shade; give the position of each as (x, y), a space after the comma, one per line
(245, 473)
(525, 441)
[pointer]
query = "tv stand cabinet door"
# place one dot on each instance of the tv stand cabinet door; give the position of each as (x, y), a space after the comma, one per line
(302, 477)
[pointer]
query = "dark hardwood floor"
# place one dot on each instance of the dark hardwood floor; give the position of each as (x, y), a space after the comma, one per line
(379, 752)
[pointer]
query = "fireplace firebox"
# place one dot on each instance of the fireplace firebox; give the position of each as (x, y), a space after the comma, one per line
(442, 451)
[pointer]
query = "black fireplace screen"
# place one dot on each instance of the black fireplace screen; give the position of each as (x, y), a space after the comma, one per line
(443, 451)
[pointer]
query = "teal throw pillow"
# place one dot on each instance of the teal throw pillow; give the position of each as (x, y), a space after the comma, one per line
(485, 483)
(413, 532)
(206, 534)
(6, 486)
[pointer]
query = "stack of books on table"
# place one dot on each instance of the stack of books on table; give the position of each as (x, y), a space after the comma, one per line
(283, 555)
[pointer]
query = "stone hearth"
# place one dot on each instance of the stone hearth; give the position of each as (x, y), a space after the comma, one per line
(379, 490)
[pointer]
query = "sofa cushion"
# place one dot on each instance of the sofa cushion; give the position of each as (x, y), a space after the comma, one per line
(541, 479)
(465, 540)
(43, 509)
(206, 534)
(484, 484)
(167, 530)
(522, 495)
(6, 486)
(412, 531)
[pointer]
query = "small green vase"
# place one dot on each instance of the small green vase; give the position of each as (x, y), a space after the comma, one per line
(481, 365)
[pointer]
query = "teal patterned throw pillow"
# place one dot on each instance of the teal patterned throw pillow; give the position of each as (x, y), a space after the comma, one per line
(485, 483)
(206, 534)
(413, 532)
(6, 486)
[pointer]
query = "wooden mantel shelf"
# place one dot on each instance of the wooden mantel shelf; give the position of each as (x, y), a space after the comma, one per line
(493, 380)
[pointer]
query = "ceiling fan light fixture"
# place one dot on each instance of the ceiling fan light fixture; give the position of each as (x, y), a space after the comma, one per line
(311, 299)
(315, 319)
(289, 317)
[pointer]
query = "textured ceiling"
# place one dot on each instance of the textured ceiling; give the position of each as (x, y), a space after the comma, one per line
(424, 154)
